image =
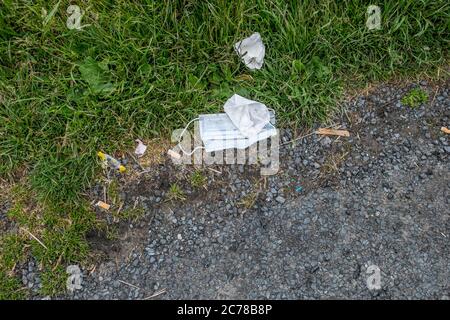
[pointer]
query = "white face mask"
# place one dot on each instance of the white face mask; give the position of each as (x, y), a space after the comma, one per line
(218, 132)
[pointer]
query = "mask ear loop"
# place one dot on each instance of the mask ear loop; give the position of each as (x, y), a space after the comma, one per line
(182, 134)
(274, 115)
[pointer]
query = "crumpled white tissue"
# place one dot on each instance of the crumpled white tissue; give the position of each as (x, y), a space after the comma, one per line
(249, 116)
(252, 51)
(140, 149)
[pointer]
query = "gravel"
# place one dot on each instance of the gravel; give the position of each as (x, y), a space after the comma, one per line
(337, 206)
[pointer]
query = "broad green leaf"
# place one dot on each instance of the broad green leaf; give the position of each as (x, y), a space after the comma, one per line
(97, 75)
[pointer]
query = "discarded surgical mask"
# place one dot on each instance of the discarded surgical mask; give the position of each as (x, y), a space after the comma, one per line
(249, 116)
(218, 132)
(252, 51)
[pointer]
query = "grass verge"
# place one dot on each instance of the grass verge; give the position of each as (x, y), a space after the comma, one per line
(142, 68)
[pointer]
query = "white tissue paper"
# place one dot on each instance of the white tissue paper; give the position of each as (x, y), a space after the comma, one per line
(249, 116)
(252, 51)
(140, 149)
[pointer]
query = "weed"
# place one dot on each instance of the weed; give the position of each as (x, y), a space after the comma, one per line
(112, 232)
(249, 200)
(415, 98)
(198, 180)
(109, 231)
(333, 163)
(132, 214)
(175, 193)
(113, 192)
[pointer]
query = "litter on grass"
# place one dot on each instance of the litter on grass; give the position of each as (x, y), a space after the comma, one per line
(249, 116)
(252, 51)
(244, 123)
(333, 132)
(106, 158)
(218, 132)
(140, 149)
(102, 205)
(174, 154)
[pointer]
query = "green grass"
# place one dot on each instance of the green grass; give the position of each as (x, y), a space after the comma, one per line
(175, 193)
(142, 68)
(198, 180)
(415, 98)
(10, 288)
(53, 280)
(13, 251)
(61, 230)
(132, 214)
